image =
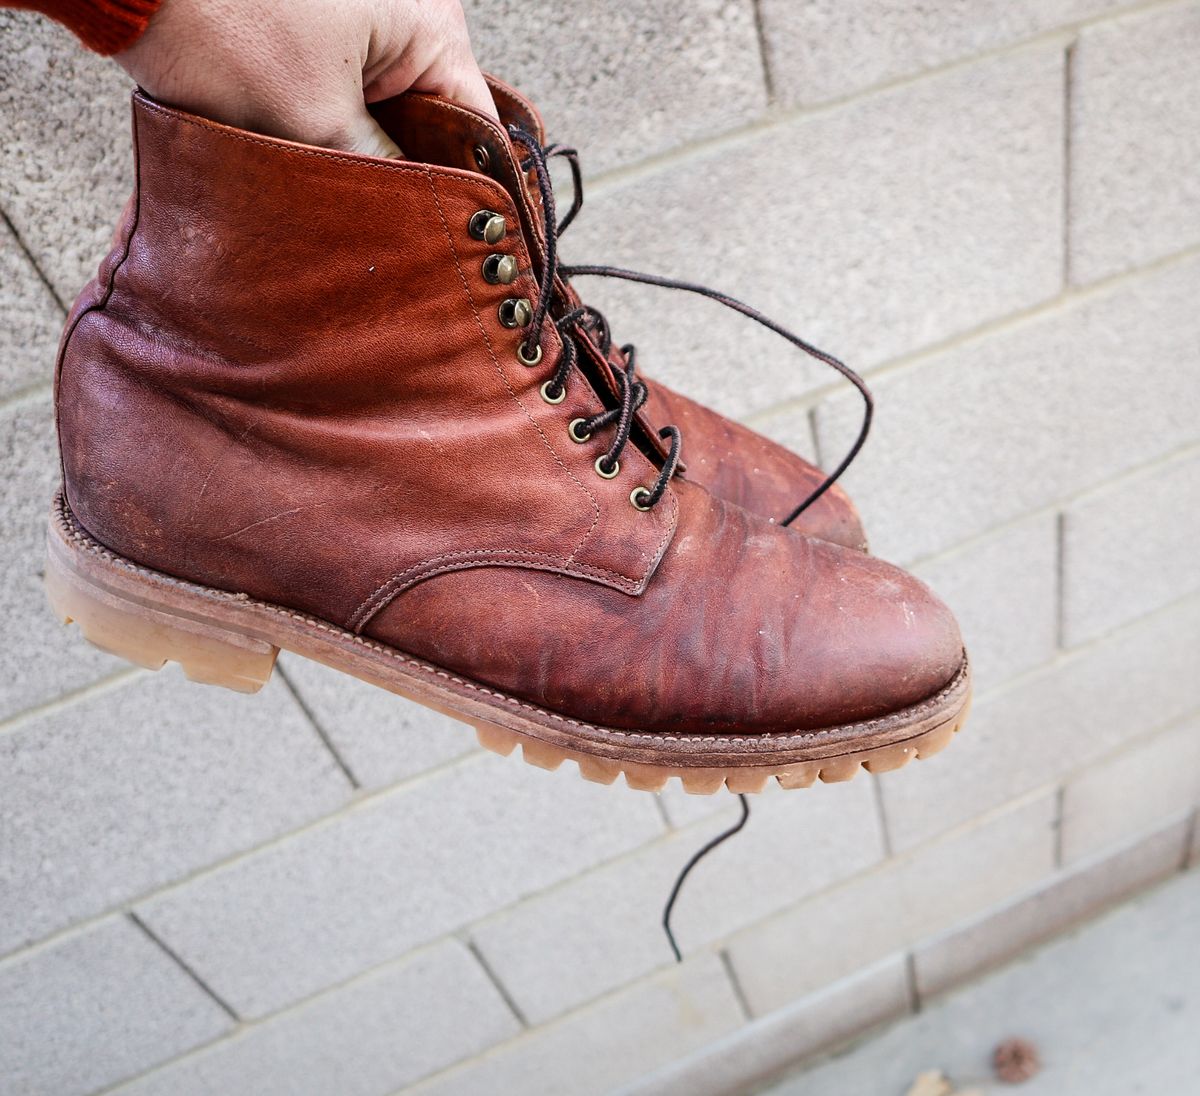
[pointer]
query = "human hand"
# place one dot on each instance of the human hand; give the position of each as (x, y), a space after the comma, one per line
(305, 69)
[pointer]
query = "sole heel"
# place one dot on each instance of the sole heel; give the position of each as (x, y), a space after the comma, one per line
(150, 635)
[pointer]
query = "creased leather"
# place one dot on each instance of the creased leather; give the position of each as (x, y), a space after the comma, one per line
(290, 381)
(299, 387)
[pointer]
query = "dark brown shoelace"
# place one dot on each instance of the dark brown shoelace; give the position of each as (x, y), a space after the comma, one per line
(587, 322)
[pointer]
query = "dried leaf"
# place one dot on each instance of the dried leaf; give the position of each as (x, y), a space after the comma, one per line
(931, 1083)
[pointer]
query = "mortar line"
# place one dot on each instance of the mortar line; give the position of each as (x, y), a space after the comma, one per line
(186, 967)
(999, 325)
(1060, 579)
(317, 726)
(29, 394)
(115, 680)
(915, 1003)
(1067, 152)
(26, 397)
(739, 991)
(764, 54)
(1060, 800)
(885, 829)
(37, 267)
(498, 985)
(1120, 479)
(776, 117)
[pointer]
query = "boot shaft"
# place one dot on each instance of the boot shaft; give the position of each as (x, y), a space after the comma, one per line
(293, 375)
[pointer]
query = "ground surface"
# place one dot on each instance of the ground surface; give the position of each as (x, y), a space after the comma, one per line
(1114, 1009)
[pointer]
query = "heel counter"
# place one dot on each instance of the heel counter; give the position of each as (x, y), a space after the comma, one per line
(94, 296)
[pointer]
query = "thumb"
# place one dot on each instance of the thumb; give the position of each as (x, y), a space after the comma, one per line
(365, 136)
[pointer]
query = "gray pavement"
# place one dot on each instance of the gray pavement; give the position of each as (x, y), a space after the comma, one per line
(1114, 1009)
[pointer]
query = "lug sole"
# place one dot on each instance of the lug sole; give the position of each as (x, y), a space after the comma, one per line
(219, 638)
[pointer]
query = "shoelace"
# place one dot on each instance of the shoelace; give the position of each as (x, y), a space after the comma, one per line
(587, 322)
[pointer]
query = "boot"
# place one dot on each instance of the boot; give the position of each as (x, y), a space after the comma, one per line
(729, 459)
(299, 408)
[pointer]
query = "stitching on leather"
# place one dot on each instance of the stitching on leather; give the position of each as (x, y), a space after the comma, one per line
(70, 526)
(482, 556)
(400, 166)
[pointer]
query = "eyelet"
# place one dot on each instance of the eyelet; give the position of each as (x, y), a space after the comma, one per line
(515, 312)
(545, 390)
(487, 226)
(639, 493)
(483, 158)
(573, 430)
(499, 269)
(527, 359)
(599, 466)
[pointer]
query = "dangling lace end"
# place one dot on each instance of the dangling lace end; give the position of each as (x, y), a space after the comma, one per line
(695, 859)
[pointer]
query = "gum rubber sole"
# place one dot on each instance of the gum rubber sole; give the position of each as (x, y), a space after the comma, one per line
(149, 618)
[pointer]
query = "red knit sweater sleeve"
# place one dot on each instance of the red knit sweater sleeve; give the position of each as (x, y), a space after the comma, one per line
(106, 26)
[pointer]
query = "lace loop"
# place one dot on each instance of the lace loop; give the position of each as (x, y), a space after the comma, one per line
(586, 321)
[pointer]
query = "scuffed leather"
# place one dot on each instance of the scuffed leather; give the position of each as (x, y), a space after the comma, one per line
(298, 387)
(735, 463)
(746, 627)
(290, 381)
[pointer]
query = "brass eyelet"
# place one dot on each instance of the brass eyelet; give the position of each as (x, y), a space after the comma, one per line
(599, 466)
(529, 359)
(545, 390)
(577, 436)
(483, 158)
(500, 269)
(488, 226)
(515, 312)
(637, 494)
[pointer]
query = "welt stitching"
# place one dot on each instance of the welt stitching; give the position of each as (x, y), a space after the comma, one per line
(79, 535)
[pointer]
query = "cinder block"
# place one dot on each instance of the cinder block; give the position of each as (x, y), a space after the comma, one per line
(1053, 723)
(603, 929)
(382, 738)
(1131, 548)
(764, 1047)
(1135, 141)
(626, 81)
(396, 872)
(1004, 591)
(95, 1008)
(986, 431)
(29, 334)
(854, 227)
(908, 898)
(1133, 791)
(39, 658)
(379, 1034)
(141, 784)
(611, 1043)
(822, 50)
(66, 159)
(1065, 900)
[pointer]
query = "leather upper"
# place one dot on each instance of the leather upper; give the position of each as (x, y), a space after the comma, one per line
(290, 380)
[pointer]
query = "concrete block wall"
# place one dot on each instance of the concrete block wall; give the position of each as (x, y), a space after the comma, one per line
(993, 210)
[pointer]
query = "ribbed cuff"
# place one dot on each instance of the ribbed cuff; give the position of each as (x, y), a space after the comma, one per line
(106, 26)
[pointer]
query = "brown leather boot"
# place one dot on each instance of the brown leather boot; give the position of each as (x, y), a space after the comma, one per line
(318, 401)
(732, 461)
